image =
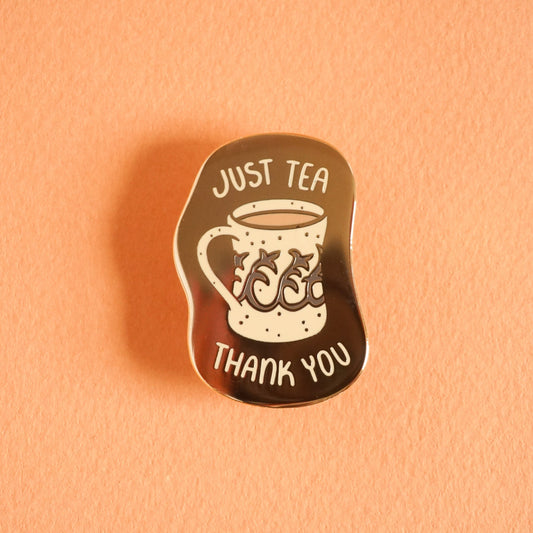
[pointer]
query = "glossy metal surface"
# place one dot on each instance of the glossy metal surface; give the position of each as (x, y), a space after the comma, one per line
(263, 252)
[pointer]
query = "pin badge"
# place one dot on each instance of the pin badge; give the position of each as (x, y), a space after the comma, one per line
(263, 250)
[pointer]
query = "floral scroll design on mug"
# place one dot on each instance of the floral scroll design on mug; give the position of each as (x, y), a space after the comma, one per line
(296, 269)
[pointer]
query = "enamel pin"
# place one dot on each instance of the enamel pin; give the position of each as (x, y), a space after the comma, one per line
(263, 251)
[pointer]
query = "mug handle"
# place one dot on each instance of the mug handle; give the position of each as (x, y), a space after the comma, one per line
(201, 251)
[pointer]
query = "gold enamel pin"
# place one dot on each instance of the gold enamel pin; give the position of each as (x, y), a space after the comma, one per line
(263, 252)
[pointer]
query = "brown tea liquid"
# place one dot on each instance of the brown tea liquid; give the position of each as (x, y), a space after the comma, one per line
(279, 219)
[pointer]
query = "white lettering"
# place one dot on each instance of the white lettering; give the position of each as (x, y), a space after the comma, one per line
(321, 176)
(231, 362)
(264, 365)
(304, 177)
(310, 367)
(241, 184)
(220, 352)
(291, 174)
(346, 360)
(226, 186)
(283, 370)
(321, 354)
(238, 179)
(248, 168)
(250, 366)
(265, 163)
(326, 362)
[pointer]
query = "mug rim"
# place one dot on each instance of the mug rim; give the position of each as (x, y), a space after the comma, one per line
(305, 208)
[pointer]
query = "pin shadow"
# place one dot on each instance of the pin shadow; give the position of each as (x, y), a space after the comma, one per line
(157, 185)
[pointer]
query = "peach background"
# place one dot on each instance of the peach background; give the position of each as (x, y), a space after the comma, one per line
(107, 111)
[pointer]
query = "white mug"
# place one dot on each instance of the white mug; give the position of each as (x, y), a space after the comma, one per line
(278, 294)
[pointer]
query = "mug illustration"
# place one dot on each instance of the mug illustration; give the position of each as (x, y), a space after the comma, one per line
(277, 294)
